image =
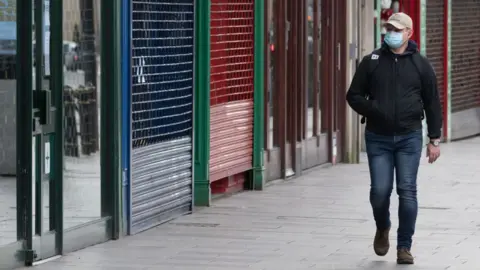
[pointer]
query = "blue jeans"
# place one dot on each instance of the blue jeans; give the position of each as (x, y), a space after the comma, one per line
(400, 155)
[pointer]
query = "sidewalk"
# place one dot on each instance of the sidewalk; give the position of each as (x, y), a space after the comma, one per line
(321, 220)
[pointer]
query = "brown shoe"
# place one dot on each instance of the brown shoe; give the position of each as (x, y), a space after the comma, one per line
(404, 256)
(381, 244)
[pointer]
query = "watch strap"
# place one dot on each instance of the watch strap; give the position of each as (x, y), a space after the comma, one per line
(435, 142)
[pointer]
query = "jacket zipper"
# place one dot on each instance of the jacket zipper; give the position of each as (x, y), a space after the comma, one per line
(395, 118)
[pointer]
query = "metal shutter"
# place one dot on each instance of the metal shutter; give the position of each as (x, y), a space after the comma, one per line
(465, 55)
(412, 8)
(231, 83)
(435, 40)
(162, 103)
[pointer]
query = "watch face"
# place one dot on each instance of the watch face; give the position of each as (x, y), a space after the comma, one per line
(436, 143)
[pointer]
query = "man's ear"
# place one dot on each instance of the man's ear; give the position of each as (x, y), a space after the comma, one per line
(410, 33)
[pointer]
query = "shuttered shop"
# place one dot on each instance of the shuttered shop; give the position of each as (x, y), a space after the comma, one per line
(231, 88)
(162, 96)
(435, 45)
(465, 76)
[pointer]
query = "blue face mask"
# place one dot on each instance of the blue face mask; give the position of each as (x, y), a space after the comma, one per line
(394, 39)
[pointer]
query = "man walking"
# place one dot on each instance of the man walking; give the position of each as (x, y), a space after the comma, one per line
(393, 88)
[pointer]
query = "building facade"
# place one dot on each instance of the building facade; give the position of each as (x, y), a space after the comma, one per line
(162, 106)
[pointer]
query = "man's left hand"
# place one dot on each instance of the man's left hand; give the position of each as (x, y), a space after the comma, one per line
(433, 153)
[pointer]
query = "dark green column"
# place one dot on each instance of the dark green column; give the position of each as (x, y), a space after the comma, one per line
(24, 99)
(202, 104)
(258, 96)
(110, 128)
(56, 80)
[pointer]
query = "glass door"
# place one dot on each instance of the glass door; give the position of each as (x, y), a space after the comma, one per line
(33, 67)
(316, 141)
(39, 138)
(293, 71)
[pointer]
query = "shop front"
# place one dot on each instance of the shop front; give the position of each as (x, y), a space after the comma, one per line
(59, 193)
(305, 85)
(465, 67)
(228, 98)
(158, 94)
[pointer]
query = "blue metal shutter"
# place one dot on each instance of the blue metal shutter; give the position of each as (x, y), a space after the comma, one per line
(162, 111)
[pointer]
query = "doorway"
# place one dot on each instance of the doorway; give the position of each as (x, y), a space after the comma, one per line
(54, 115)
(305, 85)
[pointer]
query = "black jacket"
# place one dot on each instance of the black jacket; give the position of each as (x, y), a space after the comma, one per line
(391, 96)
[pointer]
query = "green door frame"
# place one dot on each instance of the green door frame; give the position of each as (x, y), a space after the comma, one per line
(13, 255)
(44, 123)
(37, 128)
(109, 225)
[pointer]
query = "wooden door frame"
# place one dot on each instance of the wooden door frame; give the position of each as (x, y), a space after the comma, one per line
(328, 45)
(340, 26)
(291, 147)
(316, 66)
(266, 81)
(275, 155)
(334, 38)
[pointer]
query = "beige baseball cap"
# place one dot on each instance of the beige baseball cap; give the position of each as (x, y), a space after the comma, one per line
(400, 21)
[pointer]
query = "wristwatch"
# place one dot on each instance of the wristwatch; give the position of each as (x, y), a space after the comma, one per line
(435, 142)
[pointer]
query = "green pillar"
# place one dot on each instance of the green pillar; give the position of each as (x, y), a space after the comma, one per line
(448, 121)
(111, 115)
(258, 97)
(201, 152)
(378, 25)
(57, 141)
(423, 27)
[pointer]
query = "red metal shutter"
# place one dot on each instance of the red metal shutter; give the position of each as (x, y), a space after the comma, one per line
(412, 8)
(465, 55)
(435, 41)
(231, 86)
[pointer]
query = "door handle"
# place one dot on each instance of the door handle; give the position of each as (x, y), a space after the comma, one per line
(42, 102)
(287, 33)
(339, 57)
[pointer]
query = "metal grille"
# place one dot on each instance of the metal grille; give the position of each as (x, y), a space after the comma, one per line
(162, 104)
(465, 55)
(435, 40)
(231, 84)
(412, 8)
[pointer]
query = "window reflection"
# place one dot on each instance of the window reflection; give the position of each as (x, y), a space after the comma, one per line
(81, 174)
(311, 69)
(319, 28)
(272, 140)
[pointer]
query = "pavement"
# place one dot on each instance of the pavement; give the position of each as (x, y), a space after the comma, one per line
(321, 220)
(81, 197)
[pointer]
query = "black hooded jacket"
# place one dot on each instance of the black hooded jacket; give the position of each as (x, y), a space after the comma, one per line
(392, 98)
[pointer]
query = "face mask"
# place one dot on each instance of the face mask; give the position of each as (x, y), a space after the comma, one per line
(394, 39)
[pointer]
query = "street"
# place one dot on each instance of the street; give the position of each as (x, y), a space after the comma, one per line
(321, 220)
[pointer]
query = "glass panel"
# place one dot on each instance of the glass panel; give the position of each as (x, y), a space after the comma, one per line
(311, 62)
(271, 76)
(81, 188)
(8, 188)
(42, 145)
